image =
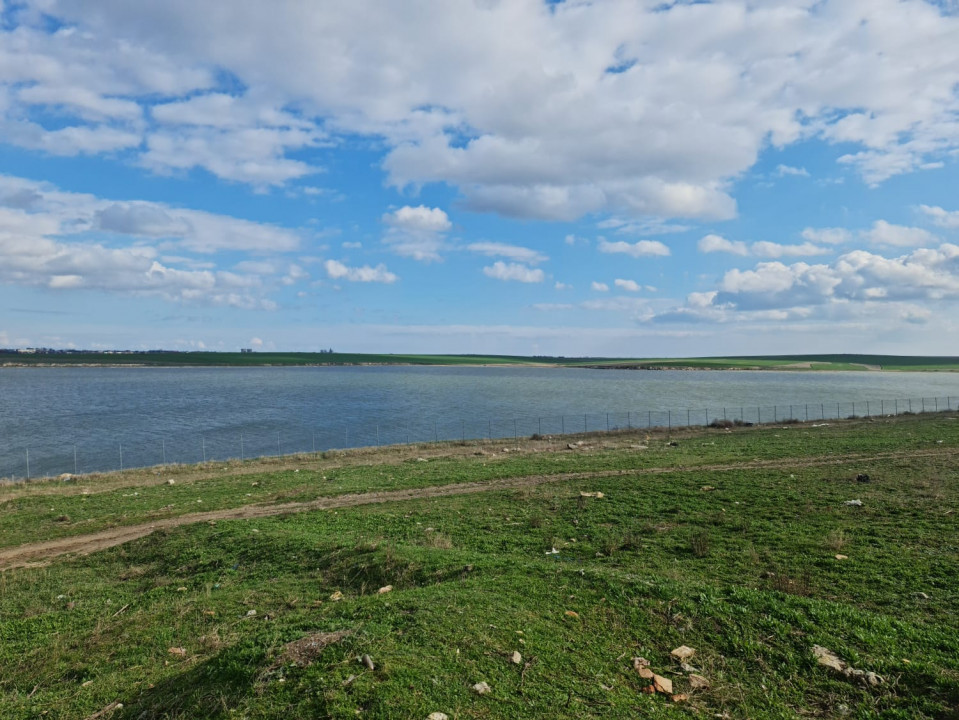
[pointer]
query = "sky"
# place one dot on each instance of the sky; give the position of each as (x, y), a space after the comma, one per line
(581, 178)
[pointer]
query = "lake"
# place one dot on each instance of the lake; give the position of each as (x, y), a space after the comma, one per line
(57, 420)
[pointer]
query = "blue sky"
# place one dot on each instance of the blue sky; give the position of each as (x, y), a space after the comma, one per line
(564, 178)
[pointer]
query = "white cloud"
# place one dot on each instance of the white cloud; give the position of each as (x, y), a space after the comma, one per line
(379, 274)
(884, 233)
(643, 248)
(940, 217)
(784, 170)
(628, 285)
(515, 121)
(419, 219)
(599, 286)
(417, 232)
(55, 239)
(716, 243)
(512, 252)
(514, 271)
(562, 286)
(763, 248)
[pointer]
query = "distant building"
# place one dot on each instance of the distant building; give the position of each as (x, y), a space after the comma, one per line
(246, 350)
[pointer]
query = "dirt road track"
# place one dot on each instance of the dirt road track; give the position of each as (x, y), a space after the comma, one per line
(38, 554)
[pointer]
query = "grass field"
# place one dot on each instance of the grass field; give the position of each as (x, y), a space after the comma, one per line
(759, 362)
(257, 591)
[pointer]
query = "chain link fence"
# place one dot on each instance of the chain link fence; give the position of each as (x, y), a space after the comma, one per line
(143, 448)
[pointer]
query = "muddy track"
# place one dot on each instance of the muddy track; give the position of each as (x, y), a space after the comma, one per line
(38, 554)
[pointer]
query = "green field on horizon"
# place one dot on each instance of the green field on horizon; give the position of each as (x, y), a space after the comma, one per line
(254, 359)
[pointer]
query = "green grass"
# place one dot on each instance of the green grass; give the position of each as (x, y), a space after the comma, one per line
(759, 362)
(745, 573)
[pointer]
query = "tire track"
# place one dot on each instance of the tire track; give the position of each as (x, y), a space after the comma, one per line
(40, 553)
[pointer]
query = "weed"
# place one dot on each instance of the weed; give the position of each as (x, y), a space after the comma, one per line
(699, 543)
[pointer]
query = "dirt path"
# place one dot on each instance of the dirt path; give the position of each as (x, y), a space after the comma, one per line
(38, 554)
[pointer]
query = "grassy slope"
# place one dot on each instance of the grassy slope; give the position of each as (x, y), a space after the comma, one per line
(771, 362)
(745, 573)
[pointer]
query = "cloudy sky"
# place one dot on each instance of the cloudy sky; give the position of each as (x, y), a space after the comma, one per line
(641, 178)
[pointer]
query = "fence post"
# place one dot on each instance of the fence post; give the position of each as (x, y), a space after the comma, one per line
(607, 422)
(585, 425)
(75, 459)
(807, 412)
(121, 455)
(759, 415)
(629, 421)
(377, 436)
(163, 447)
(562, 419)
(243, 454)
(28, 463)
(489, 428)
(203, 445)
(687, 417)
(707, 417)
(464, 429)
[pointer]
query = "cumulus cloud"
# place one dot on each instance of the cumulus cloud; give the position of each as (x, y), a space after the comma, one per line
(417, 232)
(599, 286)
(512, 252)
(884, 233)
(942, 218)
(716, 243)
(634, 110)
(643, 248)
(763, 248)
(628, 285)
(45, 240)
(854, 279)
(514, 271)
(365, 274)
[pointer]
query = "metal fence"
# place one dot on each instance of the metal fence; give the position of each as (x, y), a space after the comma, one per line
(146, 449)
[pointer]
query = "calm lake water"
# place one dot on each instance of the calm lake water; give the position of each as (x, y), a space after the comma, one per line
(91, 419)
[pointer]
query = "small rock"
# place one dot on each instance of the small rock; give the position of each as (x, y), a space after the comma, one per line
(572, 614)
(683, 652)
(66, 477)
(828, 658)
(368, 662)
(178, 651)
(337, 596)
(420, 459)
(570, 446)
(481, 688)
(171, 481)
(516, 658)
(385, 589)
(862, 477)
(663, 685)
(437, 716)
(853, 503)
(698, 682)
(181, 589)
(687, 668)
(842, 557)
(707, 488)
(680, 697)
(673, 444)
(920, 596)
(251, 613)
